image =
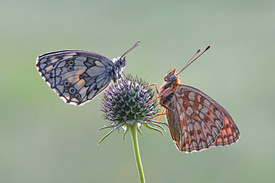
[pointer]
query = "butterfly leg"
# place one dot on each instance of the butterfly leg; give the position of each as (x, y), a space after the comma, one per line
(160, 95)
(162, 113)
(154, 84)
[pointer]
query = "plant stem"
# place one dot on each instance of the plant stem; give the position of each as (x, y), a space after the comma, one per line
(133, 129)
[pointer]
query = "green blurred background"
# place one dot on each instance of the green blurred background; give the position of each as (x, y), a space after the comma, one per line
(44, 140)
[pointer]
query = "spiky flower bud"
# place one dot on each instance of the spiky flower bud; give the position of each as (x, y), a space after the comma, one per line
(124, 101)
(128, 101)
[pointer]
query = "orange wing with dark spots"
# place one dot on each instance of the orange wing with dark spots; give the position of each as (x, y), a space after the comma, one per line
(198, 122)
(229, 133)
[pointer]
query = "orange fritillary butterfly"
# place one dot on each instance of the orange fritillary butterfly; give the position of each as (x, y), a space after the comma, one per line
(196, 121)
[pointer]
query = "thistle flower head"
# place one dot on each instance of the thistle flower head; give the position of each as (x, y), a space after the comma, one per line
(128, 101)
(125, 101)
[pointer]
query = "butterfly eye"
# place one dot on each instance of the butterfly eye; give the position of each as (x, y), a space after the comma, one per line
(173, 77)
(123, 62)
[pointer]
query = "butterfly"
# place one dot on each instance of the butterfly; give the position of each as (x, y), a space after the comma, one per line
(195, 120)
(78, 76)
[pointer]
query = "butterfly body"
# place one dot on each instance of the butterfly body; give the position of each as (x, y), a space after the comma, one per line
(196, 121)
(78, 76)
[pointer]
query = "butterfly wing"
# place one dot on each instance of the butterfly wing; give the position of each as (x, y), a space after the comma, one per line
(76, 76)
(229, 133)
(198, 121)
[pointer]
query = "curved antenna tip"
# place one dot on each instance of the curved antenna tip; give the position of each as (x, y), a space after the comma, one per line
(130, 49)
(193, 59)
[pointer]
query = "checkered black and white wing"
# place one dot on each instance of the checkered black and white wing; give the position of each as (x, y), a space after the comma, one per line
(76, 76)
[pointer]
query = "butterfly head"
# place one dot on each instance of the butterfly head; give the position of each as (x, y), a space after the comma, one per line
(171, 76)
(119, 64)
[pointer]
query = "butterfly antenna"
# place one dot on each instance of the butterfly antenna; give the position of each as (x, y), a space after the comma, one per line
(135, 45)
(193, 59)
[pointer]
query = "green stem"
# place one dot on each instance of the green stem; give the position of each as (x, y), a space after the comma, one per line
(133, 129)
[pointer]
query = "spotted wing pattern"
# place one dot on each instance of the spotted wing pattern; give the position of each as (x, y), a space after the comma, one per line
(76, 76)
(229, 133)
(199, 122)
